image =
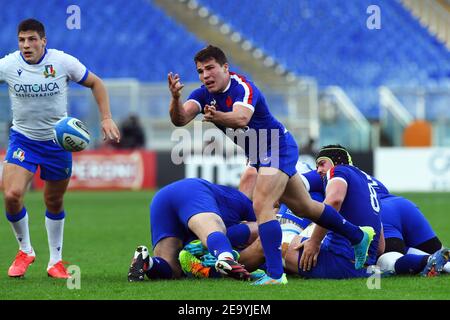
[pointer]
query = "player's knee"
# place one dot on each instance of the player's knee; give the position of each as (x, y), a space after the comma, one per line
(13, 197)
(54, 203)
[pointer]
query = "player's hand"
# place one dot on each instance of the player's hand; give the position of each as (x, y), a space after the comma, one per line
(110, 130)
(310, 253)
(210, 113)
(175, 85)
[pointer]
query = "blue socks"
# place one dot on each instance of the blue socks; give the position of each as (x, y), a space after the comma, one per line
(16, 217)
(410, 264)
(238, 235)
(270, 235)
(160, 269)
(332, 220)
(217, 243)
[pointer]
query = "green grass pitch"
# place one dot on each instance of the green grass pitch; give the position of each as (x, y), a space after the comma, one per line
(103, 228)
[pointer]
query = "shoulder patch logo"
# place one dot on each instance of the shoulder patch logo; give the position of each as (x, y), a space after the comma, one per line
(49, 71)
(19, 154)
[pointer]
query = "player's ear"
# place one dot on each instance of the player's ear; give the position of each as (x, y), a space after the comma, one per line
(44, 41)
(225, 67)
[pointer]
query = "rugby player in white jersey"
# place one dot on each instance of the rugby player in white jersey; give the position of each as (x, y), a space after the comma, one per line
(38, 80)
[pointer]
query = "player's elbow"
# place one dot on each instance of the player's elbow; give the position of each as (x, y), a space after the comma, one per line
(335, 202)
(242, 121)
(177, 121)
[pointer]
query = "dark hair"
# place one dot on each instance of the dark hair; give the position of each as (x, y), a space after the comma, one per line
(32, 25)
(336, 153)
(211, 52)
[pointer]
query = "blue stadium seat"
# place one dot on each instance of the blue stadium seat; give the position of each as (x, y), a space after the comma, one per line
(330, 41)
(133, 39)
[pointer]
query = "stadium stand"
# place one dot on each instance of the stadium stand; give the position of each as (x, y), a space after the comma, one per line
(132, 39)
(332, 43)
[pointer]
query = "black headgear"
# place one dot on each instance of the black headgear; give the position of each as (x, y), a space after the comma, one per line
(336, 154)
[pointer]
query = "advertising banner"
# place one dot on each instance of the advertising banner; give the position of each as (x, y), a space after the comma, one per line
(413, 169)
(111, 169)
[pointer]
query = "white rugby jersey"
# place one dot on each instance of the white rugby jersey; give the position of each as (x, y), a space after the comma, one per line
(38, 92)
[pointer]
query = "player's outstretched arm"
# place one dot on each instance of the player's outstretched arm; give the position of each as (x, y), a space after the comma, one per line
(109, 128)
(238, 118)
(180, 114)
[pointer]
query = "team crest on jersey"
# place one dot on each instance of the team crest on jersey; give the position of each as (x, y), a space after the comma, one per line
(49, 71)
(229, 102)
(19, 154)
(213, 102)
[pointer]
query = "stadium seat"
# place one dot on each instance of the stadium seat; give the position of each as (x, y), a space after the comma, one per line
(331, 42)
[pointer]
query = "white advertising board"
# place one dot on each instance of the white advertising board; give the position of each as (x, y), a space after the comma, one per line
(413, 169)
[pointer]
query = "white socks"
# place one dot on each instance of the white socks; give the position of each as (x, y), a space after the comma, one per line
(55, 232)
(22, 233)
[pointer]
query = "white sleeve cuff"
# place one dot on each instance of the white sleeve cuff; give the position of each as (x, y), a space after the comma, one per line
(197, 103)
(245, 105)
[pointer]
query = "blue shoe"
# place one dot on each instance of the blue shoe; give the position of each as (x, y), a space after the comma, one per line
(362, 248)
(266, 280)
(257, 274)
(208, 260)
(196, 248)
(436, 263)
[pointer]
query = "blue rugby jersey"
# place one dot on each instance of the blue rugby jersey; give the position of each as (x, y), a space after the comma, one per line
(243, 92)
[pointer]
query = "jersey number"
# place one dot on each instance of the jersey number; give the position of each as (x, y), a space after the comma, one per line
(373, 194)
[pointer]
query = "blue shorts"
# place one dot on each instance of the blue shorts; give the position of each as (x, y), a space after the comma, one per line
(287, 157)
(175, 204)
(332, 266)
(402, 219)
(55, 162)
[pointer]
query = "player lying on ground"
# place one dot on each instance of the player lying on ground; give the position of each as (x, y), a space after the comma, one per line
(194, 209)
(401, 219)
(348, 190)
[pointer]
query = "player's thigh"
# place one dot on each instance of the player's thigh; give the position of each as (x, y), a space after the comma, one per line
(205, 223)
(270, 185)
(416, 228)
(55, 189)
(298, 199)
(248, 181)
(15, 179)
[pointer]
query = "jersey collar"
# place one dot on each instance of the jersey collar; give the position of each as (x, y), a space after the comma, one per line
(227, 87)
(39, 61)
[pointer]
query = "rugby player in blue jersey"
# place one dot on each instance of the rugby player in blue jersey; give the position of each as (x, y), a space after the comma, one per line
(237, 107)
(411, 245)
(193, 209)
